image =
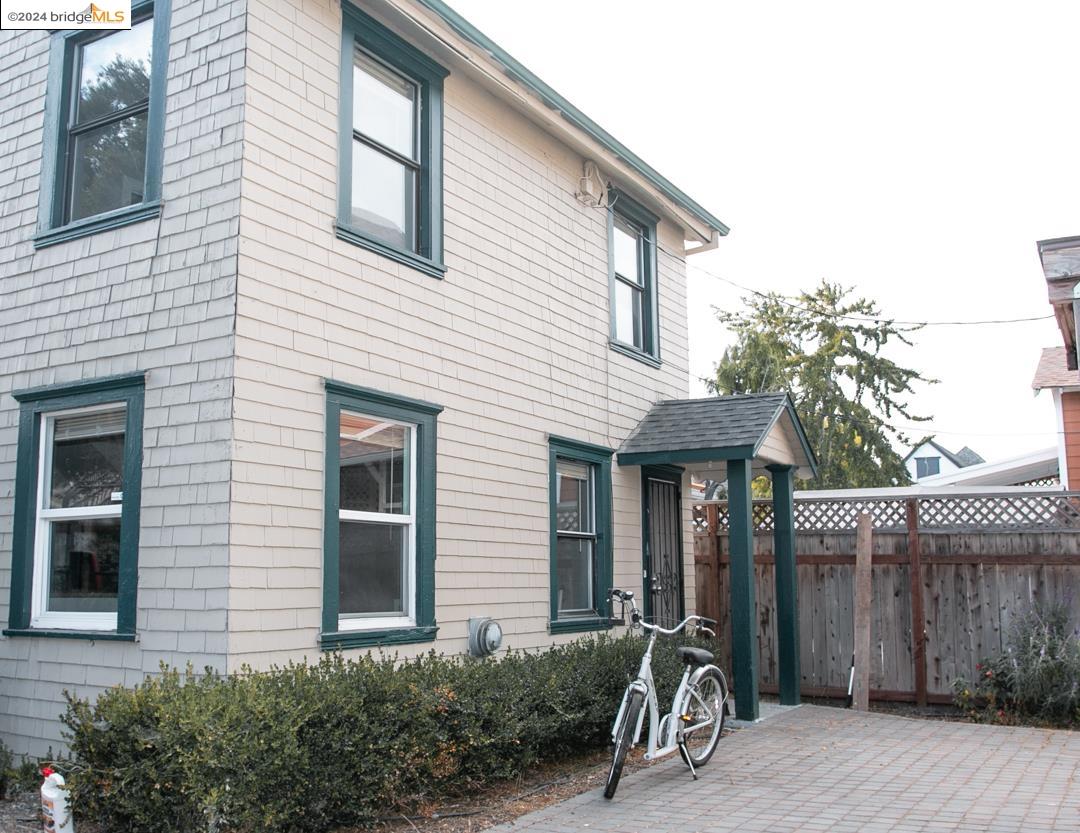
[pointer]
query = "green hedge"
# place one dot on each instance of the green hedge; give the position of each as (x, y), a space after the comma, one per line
(312, 747)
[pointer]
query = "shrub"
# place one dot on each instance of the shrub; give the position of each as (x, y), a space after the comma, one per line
(26, 777)
(1036, 678)
(6, 771)
(311, 747)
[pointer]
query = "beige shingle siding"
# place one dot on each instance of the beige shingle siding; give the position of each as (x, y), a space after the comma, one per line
(159, 297)
(513, 343)
(240, 300)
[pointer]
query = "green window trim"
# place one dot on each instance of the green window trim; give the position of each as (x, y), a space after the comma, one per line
(423, 415)
(599, 458)
(52, 228)
(358, 29)
(33, 403)
(92, 636)
(634, 353)
(377, 638)
(632, 212)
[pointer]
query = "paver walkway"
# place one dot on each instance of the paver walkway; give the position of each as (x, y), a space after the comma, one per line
(815, 768)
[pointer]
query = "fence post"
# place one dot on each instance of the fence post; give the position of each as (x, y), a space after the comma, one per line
(863, 591)
(715, 605)
(918, 617)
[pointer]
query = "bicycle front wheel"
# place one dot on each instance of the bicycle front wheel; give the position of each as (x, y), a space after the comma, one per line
(702, 715)
(624, 739)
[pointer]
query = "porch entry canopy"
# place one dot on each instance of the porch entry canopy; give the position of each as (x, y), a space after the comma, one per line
(735, 438)
(705, 434)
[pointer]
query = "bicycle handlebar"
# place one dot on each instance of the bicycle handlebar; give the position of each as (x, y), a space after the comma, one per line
(636, 619)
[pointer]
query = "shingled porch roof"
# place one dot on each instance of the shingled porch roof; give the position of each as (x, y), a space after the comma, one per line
(762, 427)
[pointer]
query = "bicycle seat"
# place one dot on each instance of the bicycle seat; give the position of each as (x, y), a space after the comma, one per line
(694, 656)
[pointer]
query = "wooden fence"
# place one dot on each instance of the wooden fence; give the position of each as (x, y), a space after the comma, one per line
(963, 565)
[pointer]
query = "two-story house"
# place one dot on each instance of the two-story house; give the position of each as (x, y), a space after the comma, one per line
(321, 324)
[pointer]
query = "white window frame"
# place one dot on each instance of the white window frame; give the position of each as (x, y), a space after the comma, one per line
(413, 161)
(637, 285)
(580, 613)
(362, 621)
(40, 615)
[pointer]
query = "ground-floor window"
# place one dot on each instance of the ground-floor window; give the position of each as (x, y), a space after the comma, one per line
(580, 475)
(79, 471)
(379, 537)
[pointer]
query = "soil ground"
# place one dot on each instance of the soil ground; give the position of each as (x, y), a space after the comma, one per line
(505, 802)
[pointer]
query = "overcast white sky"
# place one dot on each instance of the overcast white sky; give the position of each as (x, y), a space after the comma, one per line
(915, 150)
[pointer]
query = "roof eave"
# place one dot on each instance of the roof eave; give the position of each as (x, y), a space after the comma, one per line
(686, 455)
(552, 100)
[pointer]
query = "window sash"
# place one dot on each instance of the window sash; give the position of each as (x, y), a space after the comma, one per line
(363, 621)
(412, 229)
(73, 128)
(564, 470)
(590, 580)
(417, 113)
(78, 128)
(638, 233)
(632, 273)
(413, 163)
(637, 336)
(40, 615)
(564, 467)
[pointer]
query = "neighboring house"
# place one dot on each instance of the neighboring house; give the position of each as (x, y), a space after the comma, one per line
(1057, 370)
(321, 328)
(929, 459)
(1038, 469)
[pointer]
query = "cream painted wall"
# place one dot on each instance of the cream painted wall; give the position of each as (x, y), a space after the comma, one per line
(513, 343)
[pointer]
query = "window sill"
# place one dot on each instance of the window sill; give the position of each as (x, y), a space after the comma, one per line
(104, 636)
(634, 353)
(102, 222)
(369, 639)
(582, 625)
(410, 259)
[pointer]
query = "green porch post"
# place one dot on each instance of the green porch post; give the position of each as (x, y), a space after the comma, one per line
(787, 595)
(744, 643)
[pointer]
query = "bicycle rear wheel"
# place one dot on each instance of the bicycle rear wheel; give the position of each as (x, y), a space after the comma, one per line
(624, 739)
(702, 716)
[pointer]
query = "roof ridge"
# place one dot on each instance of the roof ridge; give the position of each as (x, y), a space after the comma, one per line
(760, 395)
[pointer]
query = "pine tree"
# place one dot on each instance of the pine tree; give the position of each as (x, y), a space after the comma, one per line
(847, 393)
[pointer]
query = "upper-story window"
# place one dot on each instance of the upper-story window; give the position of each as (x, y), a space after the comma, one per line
(107, 132)
(632, 274)
(391, 145)
(105, 101)
(927, 466)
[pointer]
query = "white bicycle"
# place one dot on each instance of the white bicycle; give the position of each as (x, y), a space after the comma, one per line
(696, 719)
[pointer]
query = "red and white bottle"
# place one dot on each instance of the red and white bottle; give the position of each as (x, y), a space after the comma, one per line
(55, 804)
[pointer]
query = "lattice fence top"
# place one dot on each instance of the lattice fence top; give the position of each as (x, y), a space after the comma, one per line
(1051, 482)
(951, 513)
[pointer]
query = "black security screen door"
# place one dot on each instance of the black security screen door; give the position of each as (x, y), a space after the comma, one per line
(663, 550)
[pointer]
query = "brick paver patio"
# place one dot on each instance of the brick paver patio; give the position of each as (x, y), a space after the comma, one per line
(823, 769)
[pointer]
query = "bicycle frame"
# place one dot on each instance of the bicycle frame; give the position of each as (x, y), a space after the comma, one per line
(673, 728)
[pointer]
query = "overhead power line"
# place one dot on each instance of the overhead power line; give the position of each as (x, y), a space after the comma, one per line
(788, 301)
